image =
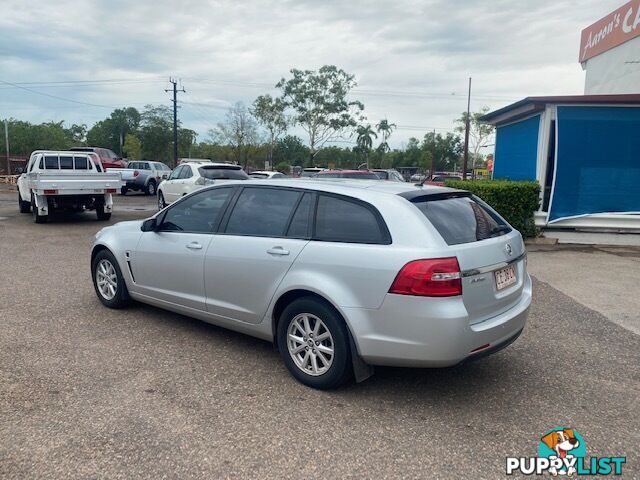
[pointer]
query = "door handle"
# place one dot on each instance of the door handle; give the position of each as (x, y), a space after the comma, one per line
(277, 251)
(194, 246)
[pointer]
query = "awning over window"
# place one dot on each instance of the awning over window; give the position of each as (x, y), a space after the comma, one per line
(517, 150)
(598, 162)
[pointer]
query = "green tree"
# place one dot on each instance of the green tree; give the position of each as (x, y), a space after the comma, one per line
(479, 132)
(320, 105)
(132, 147)
(270, 114)
(447, 148)
(156, 133)
(291, 150)
(385, 129)
(365, 135)
(110, 132)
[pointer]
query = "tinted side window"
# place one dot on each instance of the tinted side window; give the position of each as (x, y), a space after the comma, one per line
(51, 162)
(66, 163)
(198, 213)
(176, 173)
(340, 220)
(263, 212)
(186, 172)
(299, 227)
(80, 163)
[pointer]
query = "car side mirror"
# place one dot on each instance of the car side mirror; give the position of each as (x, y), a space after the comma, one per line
(149, 225)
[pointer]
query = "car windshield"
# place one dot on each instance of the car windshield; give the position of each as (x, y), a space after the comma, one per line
(461, 218)
(382, 175)
(221, 172)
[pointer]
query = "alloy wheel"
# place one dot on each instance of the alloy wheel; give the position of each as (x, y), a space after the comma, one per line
(310, 344)
(106, 279)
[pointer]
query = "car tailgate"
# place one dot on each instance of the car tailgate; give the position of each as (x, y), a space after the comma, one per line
(74, 183)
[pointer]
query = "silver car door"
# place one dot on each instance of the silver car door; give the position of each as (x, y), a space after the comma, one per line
(260, 240)
(168, 263)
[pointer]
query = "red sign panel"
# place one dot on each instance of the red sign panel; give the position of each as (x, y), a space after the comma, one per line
(615, 29)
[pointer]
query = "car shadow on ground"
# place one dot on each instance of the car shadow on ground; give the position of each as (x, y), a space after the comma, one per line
(462, 384)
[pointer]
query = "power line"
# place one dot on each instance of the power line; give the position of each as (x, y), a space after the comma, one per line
(56, 96)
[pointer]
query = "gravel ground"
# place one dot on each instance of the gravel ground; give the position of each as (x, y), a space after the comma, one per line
(87, 392)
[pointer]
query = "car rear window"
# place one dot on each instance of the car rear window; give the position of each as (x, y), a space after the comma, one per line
(341, 220)
(382, 175)
(80, 163)
(358, 176)
(231, 172)
(51, 162)
(259, 175)
(461, 218)
(66, 163)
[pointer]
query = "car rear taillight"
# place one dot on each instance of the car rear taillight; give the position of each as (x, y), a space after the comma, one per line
(50, 192)
(110, 190)
(436, 277)
(136, 173)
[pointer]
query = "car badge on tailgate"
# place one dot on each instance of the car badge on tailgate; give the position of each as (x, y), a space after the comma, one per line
(508, 249)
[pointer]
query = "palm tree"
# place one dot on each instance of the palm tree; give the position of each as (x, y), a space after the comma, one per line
(365, 140)
(385, 128)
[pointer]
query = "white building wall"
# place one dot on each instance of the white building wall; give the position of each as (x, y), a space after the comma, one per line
(614, 71)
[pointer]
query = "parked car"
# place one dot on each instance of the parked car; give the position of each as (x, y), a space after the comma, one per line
(440, 179)
(143, 176)
(108, 158)
(267, 174)
(340, 276)
(192, 175)
(66, 180)
(352, 174)
(389, 174)
(311, 171)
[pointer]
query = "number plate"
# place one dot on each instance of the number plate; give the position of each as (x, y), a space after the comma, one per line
(505, 277)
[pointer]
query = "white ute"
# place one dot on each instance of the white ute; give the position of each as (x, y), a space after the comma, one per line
(61, 180)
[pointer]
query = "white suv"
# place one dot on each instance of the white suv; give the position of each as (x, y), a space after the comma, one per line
(193, 175)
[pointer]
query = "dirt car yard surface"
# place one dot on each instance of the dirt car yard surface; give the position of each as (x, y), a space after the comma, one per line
(88, 392)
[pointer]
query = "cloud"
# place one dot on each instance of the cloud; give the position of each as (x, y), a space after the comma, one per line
(411, 58)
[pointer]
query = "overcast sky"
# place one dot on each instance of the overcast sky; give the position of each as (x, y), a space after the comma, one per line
(412, 59)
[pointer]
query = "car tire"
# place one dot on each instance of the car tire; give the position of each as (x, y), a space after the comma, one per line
(123, 190)
(101, 214)
(150, 189)
(37, 218)
(25, 207)
(105, 271)
(323, 362)
(161, 202)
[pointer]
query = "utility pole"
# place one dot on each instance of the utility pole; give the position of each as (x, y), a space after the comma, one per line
(433, 154)
(6, 143)
(175, 118)
(466, 135)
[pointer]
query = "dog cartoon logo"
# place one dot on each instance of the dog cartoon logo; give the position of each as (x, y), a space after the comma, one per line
(562, 443)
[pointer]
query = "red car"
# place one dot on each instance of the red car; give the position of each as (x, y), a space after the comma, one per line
(107, 157)
(354, 174)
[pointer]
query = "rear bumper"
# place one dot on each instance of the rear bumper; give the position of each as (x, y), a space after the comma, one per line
(434, 332)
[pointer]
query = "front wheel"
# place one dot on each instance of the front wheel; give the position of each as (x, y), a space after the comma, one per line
(108, 281)
(25, 207)
(314, 344)
(161, 202)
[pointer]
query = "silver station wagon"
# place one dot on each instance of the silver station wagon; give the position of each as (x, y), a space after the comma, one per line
(340, 275)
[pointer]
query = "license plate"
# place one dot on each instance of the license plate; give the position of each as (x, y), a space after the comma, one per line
(505, 277)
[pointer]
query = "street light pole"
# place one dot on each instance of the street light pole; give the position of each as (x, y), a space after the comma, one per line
(466, 134)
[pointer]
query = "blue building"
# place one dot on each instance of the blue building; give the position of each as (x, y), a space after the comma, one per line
(583, 150)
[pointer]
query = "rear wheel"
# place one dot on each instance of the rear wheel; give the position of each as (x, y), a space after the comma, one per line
(314, 344)
(150, 188)
(25, 207)
(36, 214)
(108, 281)
(123, 190)
(101, 214)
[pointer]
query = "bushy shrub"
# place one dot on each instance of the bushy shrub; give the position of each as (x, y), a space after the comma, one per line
(515, 201)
